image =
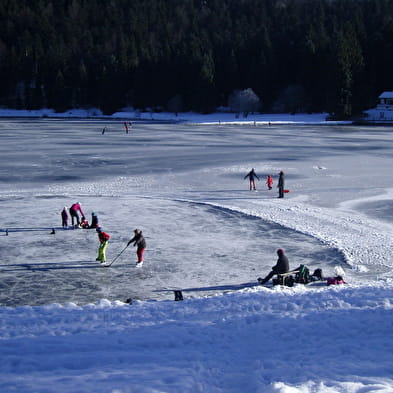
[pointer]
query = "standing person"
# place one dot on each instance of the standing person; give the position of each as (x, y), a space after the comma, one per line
(140, 242)
(94, 221)
(103, 238)
(281, 185)
(282, 266)
(269, 182)
(75, 209)
(252, 175)
(126, 127)
(64, 217)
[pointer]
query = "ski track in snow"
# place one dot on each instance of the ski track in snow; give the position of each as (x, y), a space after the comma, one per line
(363, 242)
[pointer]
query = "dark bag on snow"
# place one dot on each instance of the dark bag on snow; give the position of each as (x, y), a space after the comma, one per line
(317, 275)
(303, 275)
(286, 280)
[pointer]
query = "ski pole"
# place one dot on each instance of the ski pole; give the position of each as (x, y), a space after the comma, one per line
(121, 252)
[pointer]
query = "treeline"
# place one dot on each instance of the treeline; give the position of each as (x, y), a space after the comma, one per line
(295, 55)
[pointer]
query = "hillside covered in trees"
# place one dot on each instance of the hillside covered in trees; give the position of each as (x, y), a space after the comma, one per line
(178, 55)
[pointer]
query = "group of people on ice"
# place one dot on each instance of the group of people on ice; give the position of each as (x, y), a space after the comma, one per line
(138, 240)
(269, 182)
(78, 220)
(299, 275)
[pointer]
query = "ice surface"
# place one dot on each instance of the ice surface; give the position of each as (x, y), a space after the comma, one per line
(157, 178)
(183, 185)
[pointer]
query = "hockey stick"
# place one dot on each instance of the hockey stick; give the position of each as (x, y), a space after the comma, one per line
(121, 252)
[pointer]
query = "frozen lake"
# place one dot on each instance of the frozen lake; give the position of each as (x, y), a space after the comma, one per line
(183, 186)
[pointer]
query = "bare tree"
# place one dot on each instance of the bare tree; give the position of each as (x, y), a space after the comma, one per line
(244, 101)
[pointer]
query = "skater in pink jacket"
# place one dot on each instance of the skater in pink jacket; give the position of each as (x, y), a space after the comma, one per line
(75, 209)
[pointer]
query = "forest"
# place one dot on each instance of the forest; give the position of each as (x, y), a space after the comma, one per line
(180, 55)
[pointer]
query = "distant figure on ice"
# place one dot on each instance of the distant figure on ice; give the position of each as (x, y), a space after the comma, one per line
(103, 238)
(64, 218)
(281, 185)
(282, 266)
(269, 182)
(127, 126)
(94, 221)
(252, 175)
(75, 209)
(140, 242)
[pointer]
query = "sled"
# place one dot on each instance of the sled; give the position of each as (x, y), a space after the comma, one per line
(286, 191)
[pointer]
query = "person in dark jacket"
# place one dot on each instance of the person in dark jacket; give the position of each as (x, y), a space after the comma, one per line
(94, 221)
(280, 185)
(64, 218)
(252, 175)
(282, 266)
(140, 242)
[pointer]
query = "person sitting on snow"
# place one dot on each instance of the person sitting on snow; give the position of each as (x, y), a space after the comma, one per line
(84, 223)
(282, 266)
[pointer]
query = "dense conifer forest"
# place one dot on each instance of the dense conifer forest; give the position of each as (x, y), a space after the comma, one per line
(178, 55)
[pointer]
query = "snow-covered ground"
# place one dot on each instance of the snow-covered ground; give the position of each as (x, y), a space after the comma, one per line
(64, 322)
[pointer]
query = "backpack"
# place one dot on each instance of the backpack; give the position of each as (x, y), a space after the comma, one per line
(318, 274)
(286, 280)
(335, 280)
(303, 275)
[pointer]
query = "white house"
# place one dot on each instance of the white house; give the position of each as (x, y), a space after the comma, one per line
(383, 112)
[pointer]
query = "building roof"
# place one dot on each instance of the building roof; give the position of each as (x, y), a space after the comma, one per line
(386, 94)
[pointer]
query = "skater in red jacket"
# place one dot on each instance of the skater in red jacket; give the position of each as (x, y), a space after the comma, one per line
(103, 238)
(269, 182)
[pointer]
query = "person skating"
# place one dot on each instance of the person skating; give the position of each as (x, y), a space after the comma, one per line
(269, 182)
(75, 209)
(282, 266)
(140, 242)
(252, 175)
(280, 185)
(103, 238)
(64, 218)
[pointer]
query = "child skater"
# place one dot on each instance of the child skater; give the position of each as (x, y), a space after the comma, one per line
(64, 218)
(269, 182)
